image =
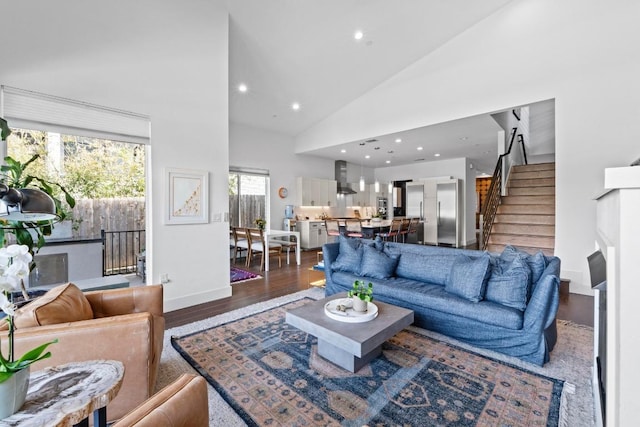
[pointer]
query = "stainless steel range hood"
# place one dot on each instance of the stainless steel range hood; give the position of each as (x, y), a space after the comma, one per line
(341, 177)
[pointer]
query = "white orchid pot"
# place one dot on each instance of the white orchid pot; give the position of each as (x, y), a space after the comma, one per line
(13, 392)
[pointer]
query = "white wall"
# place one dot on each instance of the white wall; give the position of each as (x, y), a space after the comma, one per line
(576, 51)
(168, 60)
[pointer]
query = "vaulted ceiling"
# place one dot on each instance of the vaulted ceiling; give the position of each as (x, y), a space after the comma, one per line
(305, 52)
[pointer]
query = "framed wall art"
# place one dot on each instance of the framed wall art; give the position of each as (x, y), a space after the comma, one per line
(187, 196)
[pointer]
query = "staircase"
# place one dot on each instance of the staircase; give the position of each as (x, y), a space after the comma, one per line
(526, 216)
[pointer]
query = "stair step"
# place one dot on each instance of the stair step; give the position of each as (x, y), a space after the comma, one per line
(498, 248)
(520, 240)
(531, 182)
(532, 174)
(525, 219)
(527, 209)
(529, 200)
(541, 230)
(532, 191)
(535, 167)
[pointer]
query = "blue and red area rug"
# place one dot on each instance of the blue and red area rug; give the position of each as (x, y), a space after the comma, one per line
(239, 275)
(270, 373)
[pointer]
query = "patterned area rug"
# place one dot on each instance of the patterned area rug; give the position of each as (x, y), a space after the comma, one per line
(270, 373)
(239, 275)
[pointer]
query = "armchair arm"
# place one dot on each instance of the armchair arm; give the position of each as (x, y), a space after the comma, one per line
(138, 299)
(183, 402)
(127, 338)
(543, 305)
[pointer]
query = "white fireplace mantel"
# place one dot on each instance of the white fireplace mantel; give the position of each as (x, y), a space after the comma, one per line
(618, 237)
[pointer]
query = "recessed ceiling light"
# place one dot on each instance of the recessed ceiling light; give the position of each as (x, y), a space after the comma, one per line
(388, 161)
(419, 148)
(358, 35)
(343, 151)
(398, 141)
(242, 88)
(295, 106)
(436, 155)
(367, 156)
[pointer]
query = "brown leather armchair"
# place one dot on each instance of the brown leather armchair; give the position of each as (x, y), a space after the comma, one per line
(183, 403)
(127, 325)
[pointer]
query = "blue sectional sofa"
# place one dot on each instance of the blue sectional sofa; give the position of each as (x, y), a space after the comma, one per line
(504, 302)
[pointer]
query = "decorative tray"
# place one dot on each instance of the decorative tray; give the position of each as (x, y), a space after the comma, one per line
(349, 315)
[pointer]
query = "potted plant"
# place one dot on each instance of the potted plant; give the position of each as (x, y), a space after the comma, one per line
(260, 223)
(361, 295)
(14, 372)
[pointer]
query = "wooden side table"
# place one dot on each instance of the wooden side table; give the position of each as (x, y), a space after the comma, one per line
(66, 395)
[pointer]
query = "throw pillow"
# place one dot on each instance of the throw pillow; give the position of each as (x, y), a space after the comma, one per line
(536, 262)
(468, 277)
(376, 264)
(424, 268)
(350, 256)
(62, 304)
(377, 243)
(509, 283)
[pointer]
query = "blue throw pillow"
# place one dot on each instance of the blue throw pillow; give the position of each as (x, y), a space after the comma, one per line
(428, 268)
(377, 243)
(377, 264)
(350, 256)
(468, 277)
(509, 283)
(536, 263)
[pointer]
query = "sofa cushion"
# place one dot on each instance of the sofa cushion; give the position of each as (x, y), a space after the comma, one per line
(377, 264)
(377, 243)
(64, 303)
(424, 268)
(509, 283)
(350, 256)
(468, 277)
(536, 262)
(420, 296)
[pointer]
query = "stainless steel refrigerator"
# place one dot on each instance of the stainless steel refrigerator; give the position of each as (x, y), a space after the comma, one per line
(447, 213)
(415, 200)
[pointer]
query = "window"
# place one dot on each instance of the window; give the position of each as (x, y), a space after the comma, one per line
(248, 199)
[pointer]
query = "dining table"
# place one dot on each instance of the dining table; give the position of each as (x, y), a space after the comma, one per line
(272, 236)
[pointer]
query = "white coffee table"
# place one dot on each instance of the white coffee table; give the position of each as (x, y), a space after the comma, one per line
(349, 345)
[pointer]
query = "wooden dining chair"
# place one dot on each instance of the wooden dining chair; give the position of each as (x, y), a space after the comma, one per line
(257, 246)
(240, 242)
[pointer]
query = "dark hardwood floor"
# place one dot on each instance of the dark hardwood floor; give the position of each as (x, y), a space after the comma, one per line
(291, 278)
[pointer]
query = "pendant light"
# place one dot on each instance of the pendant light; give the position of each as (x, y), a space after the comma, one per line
(361, 178)
(376, 186)
(390, 188)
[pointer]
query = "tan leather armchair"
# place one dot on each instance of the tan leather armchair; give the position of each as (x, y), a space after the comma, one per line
(183, 403)
(127, 325)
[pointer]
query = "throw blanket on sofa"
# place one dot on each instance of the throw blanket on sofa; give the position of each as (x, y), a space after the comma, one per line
(504, 302)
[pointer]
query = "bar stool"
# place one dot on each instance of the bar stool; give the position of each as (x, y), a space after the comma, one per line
(353, 228)
(394, 231)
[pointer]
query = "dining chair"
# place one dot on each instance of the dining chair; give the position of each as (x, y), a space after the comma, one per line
(257, 246)
(394, 231)
(353, 228)
(240, 242)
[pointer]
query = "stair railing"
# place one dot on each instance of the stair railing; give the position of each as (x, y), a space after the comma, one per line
(492, 201)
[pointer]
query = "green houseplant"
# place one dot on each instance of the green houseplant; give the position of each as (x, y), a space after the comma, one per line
(361, 294)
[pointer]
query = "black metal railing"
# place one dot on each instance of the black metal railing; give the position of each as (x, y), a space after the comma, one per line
(121, 251)
(492, 201)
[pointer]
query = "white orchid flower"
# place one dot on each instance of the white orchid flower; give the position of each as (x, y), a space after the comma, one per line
(17, 250)
(18, 269)
(6, 305)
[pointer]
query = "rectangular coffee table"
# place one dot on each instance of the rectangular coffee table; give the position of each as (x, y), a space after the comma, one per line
(349, 345)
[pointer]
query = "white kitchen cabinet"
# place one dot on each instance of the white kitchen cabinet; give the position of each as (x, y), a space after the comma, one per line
(316, 192)
(312, 234)
(361, 198)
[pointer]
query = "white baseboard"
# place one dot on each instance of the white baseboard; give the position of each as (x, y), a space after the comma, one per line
(185, 301)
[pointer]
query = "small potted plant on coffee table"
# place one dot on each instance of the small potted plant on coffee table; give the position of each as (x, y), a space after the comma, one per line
(361, 295)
